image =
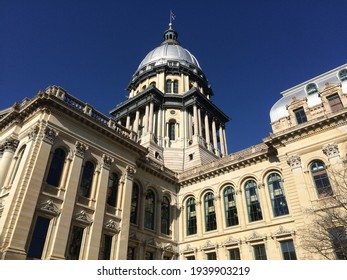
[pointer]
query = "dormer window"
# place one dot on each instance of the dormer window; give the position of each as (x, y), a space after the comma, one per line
(343, 75)
(300, 115)
(311, 88)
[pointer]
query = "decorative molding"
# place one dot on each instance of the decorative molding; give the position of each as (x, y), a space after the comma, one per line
(107, 161)
(255, 237)
(83, 217)
(208, 245)
(231, 241)
(189, 249)
(49, 135)
(112, 225)
(294, 161)
(331, 150)
(130, 172)
(34, 131)
(80, 149)
(10, 144)
(282, 232)
(50, 207)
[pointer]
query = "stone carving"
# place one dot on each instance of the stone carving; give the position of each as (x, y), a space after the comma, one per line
(112, 225)
(83, 217)
(282, 232)
(10, 144)
(130, 172)
(208, 245)
(33, 132)
(231, 241)
(80, 149)
(189, 248)
(49, 135)
(50, 207)
(107, 161)
(294, 161)
(255, 237)
(331, 150)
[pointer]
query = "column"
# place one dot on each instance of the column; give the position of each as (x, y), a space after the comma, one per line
(214, 135)
(207, 132)
(225, 141)
(159, 125)
(145, 119)
(122, 241)
(62, 227)
(195, 116)
(136, 121)
(127, 124)
(221, 137)
(25, 205)
(150, 121)
(8, 147)
(199, 122)
(96, 229)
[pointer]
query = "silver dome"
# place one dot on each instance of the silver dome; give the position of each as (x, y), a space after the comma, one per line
(167, 53)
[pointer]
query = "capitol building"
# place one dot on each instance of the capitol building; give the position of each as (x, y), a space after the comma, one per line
(153, 179)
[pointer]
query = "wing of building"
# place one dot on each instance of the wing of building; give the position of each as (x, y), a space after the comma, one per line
(154, 180)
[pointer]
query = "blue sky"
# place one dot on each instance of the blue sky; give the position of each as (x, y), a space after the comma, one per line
(249, 50)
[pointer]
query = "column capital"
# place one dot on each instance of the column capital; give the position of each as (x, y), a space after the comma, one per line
(80, 149)
(294, 161)
(34, 131)
(10, 144)
(331, 150)
(107, 161)
(130, 172)
(49, 135)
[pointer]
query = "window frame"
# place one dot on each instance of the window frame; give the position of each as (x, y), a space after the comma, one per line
(252, 201)
(210, 212)
(288, 254)
(230, 208)
(191, 218)
(278, 201)
(149, 222)
(300, 115)
(321, 171)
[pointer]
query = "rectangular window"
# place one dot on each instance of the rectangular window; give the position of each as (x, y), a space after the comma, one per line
(38, 238)
(259, 252)
(338, 239)
(288, 250)
(149, 255)
(211, 256)
(335, 102)
(191, 258)
(234, 254)
(300, 115)
(131, 253)
(75, 242)
(105, 247)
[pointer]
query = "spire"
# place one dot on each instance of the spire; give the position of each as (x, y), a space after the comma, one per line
(170, 35)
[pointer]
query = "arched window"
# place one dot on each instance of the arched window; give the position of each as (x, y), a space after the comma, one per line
(165, 216)
(278, 198)
(191, 216)
(149, 209)
(311, 88)
(112, 190)
(134, 203)
(172, 129)
(168, 87)
(87, 179)
(210, 212)
(343, 75)
(252, 200)
(175, 86)
(56, 167)
(321, 179)
(18, 162)
(153, 84)
(231, 217)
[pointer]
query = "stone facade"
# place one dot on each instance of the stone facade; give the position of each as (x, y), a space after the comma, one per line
(155, 180)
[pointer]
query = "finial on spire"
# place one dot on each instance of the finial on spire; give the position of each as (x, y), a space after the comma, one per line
(172, 17)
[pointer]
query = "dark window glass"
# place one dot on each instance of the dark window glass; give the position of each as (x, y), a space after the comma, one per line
(131, 253)
(338, 239)
(231, 216)
(311, 88)
(191, 258)
(211, 256)
(259, 252)
(134, 204)
(321, 179)
(165, 216)
(149, 255)
(343, 74)
(149, 209)
(234, 254)
(288, 250)
(191, 217)
(105, 248)
(38, 238)
(335, 102)
(87, 179)
(74, 246)
(168, 88)
(172, 126)
(300, 115)
(253, 204)
(56, 167)
(278, 199)
(112, 191)
(175, 85)
(210, 212)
